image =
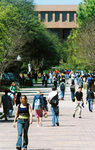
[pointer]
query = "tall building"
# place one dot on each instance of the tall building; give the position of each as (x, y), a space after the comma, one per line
(59, 19)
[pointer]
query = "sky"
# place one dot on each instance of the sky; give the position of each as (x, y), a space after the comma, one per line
(57, 2)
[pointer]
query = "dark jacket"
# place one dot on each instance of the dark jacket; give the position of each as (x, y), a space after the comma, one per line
(90, 95)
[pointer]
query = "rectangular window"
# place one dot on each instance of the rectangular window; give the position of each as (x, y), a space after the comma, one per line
(71, 16)
(64, 16)
(49, 16)
(42, 16)
(57, 16)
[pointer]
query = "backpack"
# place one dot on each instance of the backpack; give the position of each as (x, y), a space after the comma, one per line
(54, 101)
(37, 104)
(62, 87)
(72, 88)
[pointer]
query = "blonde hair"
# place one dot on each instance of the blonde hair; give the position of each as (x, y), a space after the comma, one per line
(38, 92)
(25, 97)
(12, 83)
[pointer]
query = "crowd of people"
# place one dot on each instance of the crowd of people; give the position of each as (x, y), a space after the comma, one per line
(60, 79)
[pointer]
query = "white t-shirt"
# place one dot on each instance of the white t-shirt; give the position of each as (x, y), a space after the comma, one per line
(52, 94)
(73, 76)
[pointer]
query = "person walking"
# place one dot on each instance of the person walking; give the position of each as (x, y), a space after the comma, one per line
(80, 81)
(90, 97)
(79, 102)
(67, 76)
(72, 89)
(77, 77)
(24, 115)
(18, 98)
(46, 80)
(13, 89)
(55, 82)
(89, 78)
(7, 102)
(53, 99)
(38, 105)
(62, 88)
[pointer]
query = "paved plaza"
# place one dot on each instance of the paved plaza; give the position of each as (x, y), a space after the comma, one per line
(72, 134)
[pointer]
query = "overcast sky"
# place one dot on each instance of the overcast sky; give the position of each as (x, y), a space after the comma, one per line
(57, 2)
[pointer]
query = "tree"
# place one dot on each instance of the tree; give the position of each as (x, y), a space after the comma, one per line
(8, 20)
(86, 45)
(41, 48)
(80, 43)
(22, 34)
(86, 12)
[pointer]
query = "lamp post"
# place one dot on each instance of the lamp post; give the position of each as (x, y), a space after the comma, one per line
(18, 59)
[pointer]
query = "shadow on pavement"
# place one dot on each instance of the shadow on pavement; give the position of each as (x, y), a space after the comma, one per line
(8, 121)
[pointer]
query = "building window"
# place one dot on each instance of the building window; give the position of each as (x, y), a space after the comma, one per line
(42, 16)
(71, 16)
(49, 16)
(64, 16)
(57, 16)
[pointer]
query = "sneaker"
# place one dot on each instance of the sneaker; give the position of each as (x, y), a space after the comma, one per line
(57, 124)
(91, 111)
(80, 117)
(53, 125)
(73, 115)
(38, 125)
(18, 148)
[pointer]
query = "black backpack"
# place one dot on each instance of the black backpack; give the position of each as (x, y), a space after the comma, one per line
(72, 88)
(54, 101)
(62, 87)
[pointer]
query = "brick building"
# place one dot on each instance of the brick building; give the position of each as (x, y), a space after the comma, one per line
(59, 19)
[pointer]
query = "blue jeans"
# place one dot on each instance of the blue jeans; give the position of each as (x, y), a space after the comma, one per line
(51, 80)
(90, 101)
(72, 95)
(67, 77)
(62, 94)
(76, 80)
(53, 116)
(22, 126)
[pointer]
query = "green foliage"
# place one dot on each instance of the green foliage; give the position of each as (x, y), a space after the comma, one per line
(86, 12)
(22, 34)
(80, 43)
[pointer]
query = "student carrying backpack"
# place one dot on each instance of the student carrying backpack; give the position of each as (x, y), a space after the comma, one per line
(38, 105)
(62, 88)
(72, 89)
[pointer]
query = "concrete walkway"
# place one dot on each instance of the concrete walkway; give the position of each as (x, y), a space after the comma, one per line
(72, 134)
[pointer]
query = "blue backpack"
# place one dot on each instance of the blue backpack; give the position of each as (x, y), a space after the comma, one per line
(62, 87)
(37, 104)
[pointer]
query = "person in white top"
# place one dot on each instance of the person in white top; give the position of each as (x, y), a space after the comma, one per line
(53, 99)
